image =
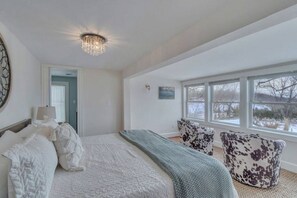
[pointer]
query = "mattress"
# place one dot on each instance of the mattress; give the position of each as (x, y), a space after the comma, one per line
(114, 168)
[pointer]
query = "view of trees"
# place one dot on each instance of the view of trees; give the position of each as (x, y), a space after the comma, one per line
(225, 102)
(275, 103)
(196, 102)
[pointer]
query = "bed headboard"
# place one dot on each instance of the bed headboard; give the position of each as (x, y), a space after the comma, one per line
(16, 127)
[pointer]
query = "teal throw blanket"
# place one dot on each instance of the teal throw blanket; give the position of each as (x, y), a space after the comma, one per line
(194, 174)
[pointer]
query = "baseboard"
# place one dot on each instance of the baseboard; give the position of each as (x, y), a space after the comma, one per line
(170, 134)
(289, 166)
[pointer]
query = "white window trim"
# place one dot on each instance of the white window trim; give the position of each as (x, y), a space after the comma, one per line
(210, 101)
(251, 102)
(185, 106)
(245, 115)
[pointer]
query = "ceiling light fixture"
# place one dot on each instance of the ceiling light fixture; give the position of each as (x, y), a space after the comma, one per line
(93, 44)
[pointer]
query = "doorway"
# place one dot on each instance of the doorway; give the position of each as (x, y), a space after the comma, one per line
(63, 95)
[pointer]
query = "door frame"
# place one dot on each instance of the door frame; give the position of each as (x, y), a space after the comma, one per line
(45, 90)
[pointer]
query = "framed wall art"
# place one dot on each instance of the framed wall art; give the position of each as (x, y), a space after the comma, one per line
(167, 93)
(5, 73)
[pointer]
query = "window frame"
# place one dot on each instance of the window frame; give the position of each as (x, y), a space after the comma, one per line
(243, 76)
(251, 102)
(187, 101)
(211, 101)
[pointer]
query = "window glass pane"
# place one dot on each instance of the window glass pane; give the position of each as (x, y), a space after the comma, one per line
(58, 100)
(226, 112)
(229, 92)
(196, 93)
(195, 110)
(280, 89)
(281, 117)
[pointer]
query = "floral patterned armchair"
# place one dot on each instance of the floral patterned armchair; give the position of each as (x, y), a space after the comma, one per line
(251, 159)
(195, 136)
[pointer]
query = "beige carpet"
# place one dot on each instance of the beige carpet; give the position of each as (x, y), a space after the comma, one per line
(286, 188)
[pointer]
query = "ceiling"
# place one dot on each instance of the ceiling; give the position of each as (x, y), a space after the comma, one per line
(274, 45)
(51, 29)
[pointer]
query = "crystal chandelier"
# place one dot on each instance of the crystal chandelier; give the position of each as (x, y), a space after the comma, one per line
(93, 44)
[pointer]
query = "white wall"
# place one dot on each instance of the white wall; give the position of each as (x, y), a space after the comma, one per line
(101, 101)
(25, 90)
(99, 98)
(147, 111)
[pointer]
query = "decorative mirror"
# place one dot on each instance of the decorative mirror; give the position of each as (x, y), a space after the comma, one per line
(5, 73)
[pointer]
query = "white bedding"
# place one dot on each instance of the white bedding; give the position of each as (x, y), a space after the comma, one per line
(114, 168)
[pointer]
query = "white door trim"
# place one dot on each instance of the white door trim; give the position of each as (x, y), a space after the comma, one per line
(45, 90)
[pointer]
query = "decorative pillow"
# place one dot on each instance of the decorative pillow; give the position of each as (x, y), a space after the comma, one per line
(69, 147)
(41, 129)
(33, 165)
(27, 131)
(7, 140)
(50, 123)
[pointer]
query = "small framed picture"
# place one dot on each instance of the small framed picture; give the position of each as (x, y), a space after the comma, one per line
(167, 93)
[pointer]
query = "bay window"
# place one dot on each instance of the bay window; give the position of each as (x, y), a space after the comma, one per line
(259, 101)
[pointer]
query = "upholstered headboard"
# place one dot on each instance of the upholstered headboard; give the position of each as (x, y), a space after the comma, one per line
(16, 127)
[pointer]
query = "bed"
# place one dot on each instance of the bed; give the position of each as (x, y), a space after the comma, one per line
(114, 168)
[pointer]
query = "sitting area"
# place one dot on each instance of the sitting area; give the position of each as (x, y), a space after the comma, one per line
(250, 159)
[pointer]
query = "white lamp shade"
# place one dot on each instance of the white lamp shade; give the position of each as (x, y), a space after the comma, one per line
(46, 113)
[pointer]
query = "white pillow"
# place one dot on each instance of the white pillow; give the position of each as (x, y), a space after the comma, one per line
(41, 129)
(69, 147)
(27, 131)
(33, 165)
(50, 123)
(7, 140)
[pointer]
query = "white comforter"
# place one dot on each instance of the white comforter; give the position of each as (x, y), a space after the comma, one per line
(114, 168)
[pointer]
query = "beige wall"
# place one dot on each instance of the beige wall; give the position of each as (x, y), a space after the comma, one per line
(101, 101)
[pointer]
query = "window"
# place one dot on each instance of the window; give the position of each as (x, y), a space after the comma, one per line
(225, 102)
(259, 101)
(59, 99)
(274, 102)
(195, 102)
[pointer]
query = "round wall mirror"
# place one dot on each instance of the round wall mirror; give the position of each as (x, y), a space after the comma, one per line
(5, 73)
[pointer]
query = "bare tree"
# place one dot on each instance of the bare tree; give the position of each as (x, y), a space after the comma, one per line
(284, 91)
(225, 96)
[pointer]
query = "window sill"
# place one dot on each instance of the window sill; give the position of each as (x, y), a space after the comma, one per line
(274, 134)
(264, 133)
